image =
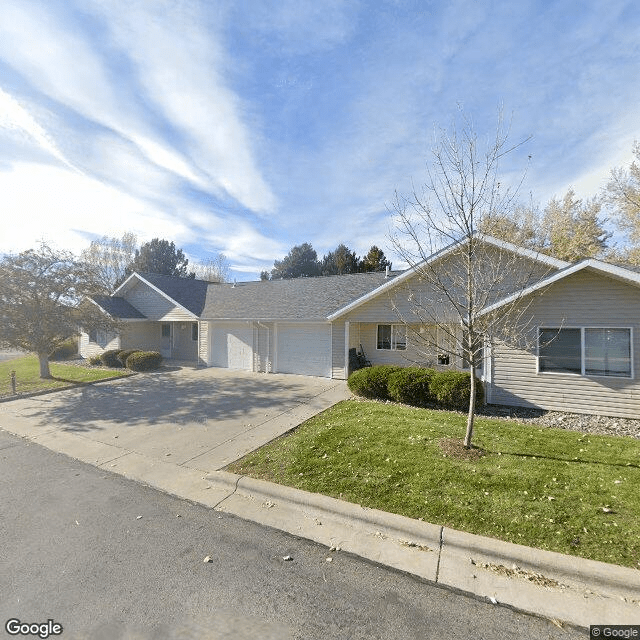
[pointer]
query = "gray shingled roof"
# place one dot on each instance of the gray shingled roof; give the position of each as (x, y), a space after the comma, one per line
(190, 293)
(117, 307)
(294, 299)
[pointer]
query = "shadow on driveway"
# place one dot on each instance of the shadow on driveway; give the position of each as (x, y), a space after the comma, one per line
(194, 397)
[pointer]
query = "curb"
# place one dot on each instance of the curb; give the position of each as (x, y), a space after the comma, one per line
(563, 588)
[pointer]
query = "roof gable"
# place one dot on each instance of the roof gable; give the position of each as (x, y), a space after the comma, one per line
(187, 293)
(548, 261)
(604, 268)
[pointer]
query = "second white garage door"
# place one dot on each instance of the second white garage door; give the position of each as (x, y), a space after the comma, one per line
(304, 349)
(232, 346)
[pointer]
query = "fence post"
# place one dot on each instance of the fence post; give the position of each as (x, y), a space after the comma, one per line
(13, 382)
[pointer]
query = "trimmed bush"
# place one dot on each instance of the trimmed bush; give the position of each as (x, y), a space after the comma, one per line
(110, 358)
(95, 360)
(371, 382)
(65, 350)
(124, 354)
(411, 385)
(451, 389)
(144, 360)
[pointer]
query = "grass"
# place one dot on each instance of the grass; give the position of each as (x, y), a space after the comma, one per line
(536, 486)
(64, 375)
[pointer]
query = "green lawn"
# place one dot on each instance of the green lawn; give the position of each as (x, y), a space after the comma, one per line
(540, 487)
(64, 375)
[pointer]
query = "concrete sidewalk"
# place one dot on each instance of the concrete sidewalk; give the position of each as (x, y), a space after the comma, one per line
(563, 588)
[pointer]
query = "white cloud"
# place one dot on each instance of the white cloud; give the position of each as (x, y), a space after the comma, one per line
(63, 207)
(15, 118)
(179, 65)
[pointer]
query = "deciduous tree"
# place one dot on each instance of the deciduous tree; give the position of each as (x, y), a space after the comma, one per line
(573, 230)
(215, 269)
(110, 257)
(40, 292)
(622, 194)
(451, 307)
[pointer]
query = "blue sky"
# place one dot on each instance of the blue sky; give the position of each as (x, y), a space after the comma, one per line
(246, 127)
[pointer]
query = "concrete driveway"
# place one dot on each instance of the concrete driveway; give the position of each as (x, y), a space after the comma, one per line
(200, 419)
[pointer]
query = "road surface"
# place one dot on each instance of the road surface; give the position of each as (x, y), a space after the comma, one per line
(111, 559)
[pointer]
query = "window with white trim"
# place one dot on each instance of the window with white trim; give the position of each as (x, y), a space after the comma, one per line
(587, 351)
(392, 337)
(194, 331)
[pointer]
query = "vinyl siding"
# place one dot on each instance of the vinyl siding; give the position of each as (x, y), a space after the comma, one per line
(155, 306)
(141, 335)
(401, 303)
(585, 299)
(415, 354)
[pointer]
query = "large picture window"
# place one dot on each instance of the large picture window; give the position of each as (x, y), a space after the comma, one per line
(392, 336)
(585, 351)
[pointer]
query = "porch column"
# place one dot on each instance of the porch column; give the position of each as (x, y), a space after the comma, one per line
(346, 349)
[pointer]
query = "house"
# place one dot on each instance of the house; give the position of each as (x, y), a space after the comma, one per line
(586, 319)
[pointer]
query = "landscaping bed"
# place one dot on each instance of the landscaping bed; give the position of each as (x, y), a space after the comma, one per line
(555, 489)
(65, 374)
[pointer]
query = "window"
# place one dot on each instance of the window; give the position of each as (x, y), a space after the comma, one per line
(392, 336)
(585, 351)
(560, 350)
(194, 331)
(93, 335)
(166, 330)
(607, 352)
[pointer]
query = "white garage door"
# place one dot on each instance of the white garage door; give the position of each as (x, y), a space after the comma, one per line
(304, 349)
(232, 346)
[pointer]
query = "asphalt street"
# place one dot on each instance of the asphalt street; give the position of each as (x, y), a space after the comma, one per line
(110, 559)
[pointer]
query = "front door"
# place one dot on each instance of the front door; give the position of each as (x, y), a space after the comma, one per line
(166, 339)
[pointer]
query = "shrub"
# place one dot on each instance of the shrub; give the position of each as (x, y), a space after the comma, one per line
(411, 386)
(95, 360)
(110, 358)
(371, 382)
(65, 350)
(144, 360)
(451, 389)
(124, 354)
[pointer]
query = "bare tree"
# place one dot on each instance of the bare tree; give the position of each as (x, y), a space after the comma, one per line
(215, 269)
(109, 258)
(40, 295)
(459, 273)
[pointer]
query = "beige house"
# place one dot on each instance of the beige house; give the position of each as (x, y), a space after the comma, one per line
(584, 317)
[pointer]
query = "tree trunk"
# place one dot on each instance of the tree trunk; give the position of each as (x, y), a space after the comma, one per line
(472, 408)
(44, 365)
